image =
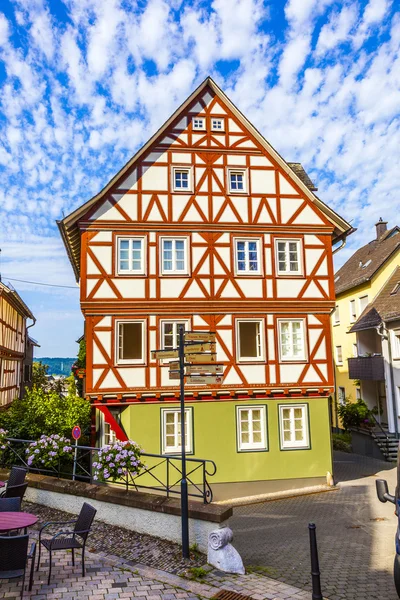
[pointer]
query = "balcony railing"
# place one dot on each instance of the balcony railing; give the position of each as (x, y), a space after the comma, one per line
(162, 473)
(366, 368)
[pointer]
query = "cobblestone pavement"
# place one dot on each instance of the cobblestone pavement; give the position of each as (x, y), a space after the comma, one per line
(112, 578)
(355, 534)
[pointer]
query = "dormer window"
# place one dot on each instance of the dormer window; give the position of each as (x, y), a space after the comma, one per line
(217, 125)
(198, 123)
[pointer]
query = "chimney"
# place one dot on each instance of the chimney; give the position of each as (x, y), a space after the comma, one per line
(380, 228)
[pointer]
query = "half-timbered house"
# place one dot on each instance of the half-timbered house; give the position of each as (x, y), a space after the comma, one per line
(207, 226)
(14, 344)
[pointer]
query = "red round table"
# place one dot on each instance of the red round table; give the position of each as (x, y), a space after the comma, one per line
(16, 520)
(2, 484)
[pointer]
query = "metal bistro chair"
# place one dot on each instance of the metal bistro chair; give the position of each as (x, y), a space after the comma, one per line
(14, 557)
(16, 491)
(17, 477)
(67, 539)
(10, 504)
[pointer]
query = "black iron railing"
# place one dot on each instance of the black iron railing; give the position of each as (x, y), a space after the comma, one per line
(162, 473)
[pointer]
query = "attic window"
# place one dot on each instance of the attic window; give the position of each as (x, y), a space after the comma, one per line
(366, 264)
(395, 289)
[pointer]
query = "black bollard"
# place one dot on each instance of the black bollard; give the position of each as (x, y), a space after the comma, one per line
(315, 574)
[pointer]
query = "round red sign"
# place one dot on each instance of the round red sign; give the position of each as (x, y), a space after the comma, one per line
(76, 432)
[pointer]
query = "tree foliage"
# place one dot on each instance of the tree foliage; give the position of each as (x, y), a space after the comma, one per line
(39, 374)
(42, 412)
(354, 414)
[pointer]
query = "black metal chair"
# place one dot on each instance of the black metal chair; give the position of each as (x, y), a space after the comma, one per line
(17, 477)
(10, 504)
(16, 491)
(67, 539)
(14, 558)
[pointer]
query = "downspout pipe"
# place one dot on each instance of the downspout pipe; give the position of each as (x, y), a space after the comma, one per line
(384, 333)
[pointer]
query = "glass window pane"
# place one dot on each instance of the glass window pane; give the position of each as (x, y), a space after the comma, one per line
(286, 436)
(131, 341)
(248, 346)
(298, 436)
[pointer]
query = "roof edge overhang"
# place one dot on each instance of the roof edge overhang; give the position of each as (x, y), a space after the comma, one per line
(341, 227)
(17, 301)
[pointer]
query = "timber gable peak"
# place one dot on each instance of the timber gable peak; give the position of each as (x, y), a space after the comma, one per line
(143, 191)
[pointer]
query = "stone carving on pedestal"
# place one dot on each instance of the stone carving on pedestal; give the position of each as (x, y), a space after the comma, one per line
(221, 553)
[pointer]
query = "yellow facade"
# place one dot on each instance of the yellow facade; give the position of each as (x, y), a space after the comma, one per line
(347, 341)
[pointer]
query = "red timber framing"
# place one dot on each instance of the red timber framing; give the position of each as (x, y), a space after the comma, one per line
(211, 295)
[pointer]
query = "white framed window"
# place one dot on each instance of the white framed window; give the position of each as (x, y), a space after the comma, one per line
(292, 345)
(249, 340)
(293, 424)
(358, 393)
(130, 342)
(362, 303)
(339, 355)
(342, 395)
(355, 350)
(396, 343)
(217, 124)
(247, 256)
(336, 315)
(174, 256)
(170, 335)
(109, 436)
(353, 311)
(251, 428)
(182, 179)
(198, 123)
(288, 258)
(237, 181)
(171, 430)
(130, 255)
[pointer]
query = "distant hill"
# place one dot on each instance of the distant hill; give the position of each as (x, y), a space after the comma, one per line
(57, 366)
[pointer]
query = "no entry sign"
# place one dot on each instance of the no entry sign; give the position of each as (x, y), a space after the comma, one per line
(76, 432)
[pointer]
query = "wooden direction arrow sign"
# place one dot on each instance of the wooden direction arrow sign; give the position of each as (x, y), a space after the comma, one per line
(174, 365)
(206, 347)
(205, 379)
(201, 370)
(199, 336)
(157, 354)
(201, 358)
(174, 375)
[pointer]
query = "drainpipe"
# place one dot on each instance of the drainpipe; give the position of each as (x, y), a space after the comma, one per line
(342, 245)
(385, 335)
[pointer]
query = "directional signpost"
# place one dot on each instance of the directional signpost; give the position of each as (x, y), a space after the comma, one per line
(198, 363)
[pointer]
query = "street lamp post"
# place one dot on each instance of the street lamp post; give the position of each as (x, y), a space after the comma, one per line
(184, 484)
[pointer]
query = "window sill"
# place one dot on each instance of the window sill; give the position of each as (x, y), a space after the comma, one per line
(251, 361)
(246, 275)
(130, 364)
(293, 360)
(131, 274)
(246, 450)
(182, 191)
(291, 448)
(238, 193)
(185, 274)
(289, 275)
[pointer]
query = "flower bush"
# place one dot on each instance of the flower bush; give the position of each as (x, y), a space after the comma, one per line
(3, 441)
(49, 451)
(117, 460)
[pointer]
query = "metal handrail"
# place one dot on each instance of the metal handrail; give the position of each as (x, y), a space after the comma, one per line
(82, 464)
(387, 438)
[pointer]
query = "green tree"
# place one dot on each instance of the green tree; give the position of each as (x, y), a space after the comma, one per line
(39, 374)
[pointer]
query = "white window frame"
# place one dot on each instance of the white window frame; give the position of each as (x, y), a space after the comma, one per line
(341, 395)
(243, 172)
(199, 119)
(252, 446)
(260, 345)
(355, 350)
(130, 271)
(293, 444)
(358, 393)
(304, 335)
(259, 256)
(353, 316)
(176, 449)
(395, 333)
(339, 355)
(336, 315)
(174, 271)
(189, 171)
(360, 303)
(175, 323)
(220, 120)
(130, 361)
(288, 241)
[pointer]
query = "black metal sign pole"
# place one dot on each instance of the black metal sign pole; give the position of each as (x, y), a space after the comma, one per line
(184, 485)
(315, 573)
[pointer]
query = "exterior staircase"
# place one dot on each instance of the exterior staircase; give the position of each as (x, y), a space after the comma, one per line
(387, 443)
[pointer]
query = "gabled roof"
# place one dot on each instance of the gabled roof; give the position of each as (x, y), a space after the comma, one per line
(384, 307)
(68, 226)
(16, 300)
(366, 261)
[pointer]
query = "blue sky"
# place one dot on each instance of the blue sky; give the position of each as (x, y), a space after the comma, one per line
(84, 83)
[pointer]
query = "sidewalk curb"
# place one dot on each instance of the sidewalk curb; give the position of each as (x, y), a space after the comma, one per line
(307, 491)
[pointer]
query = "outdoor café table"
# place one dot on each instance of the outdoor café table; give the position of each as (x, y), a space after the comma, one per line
(16, 520)
(2, 484)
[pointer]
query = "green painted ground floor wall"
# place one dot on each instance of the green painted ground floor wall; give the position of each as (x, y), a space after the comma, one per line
(214, 431)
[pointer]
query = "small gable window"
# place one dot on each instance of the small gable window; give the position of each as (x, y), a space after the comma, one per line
(182, 179)
(198, 123)
(237, 181)
(217, 124)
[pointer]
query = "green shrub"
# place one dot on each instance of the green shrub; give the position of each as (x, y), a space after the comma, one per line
(355, 414)
(342, 441)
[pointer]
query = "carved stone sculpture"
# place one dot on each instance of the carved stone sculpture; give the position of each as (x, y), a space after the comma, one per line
(221, 553)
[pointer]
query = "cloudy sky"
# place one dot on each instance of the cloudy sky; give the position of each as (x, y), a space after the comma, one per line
(84, 83)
